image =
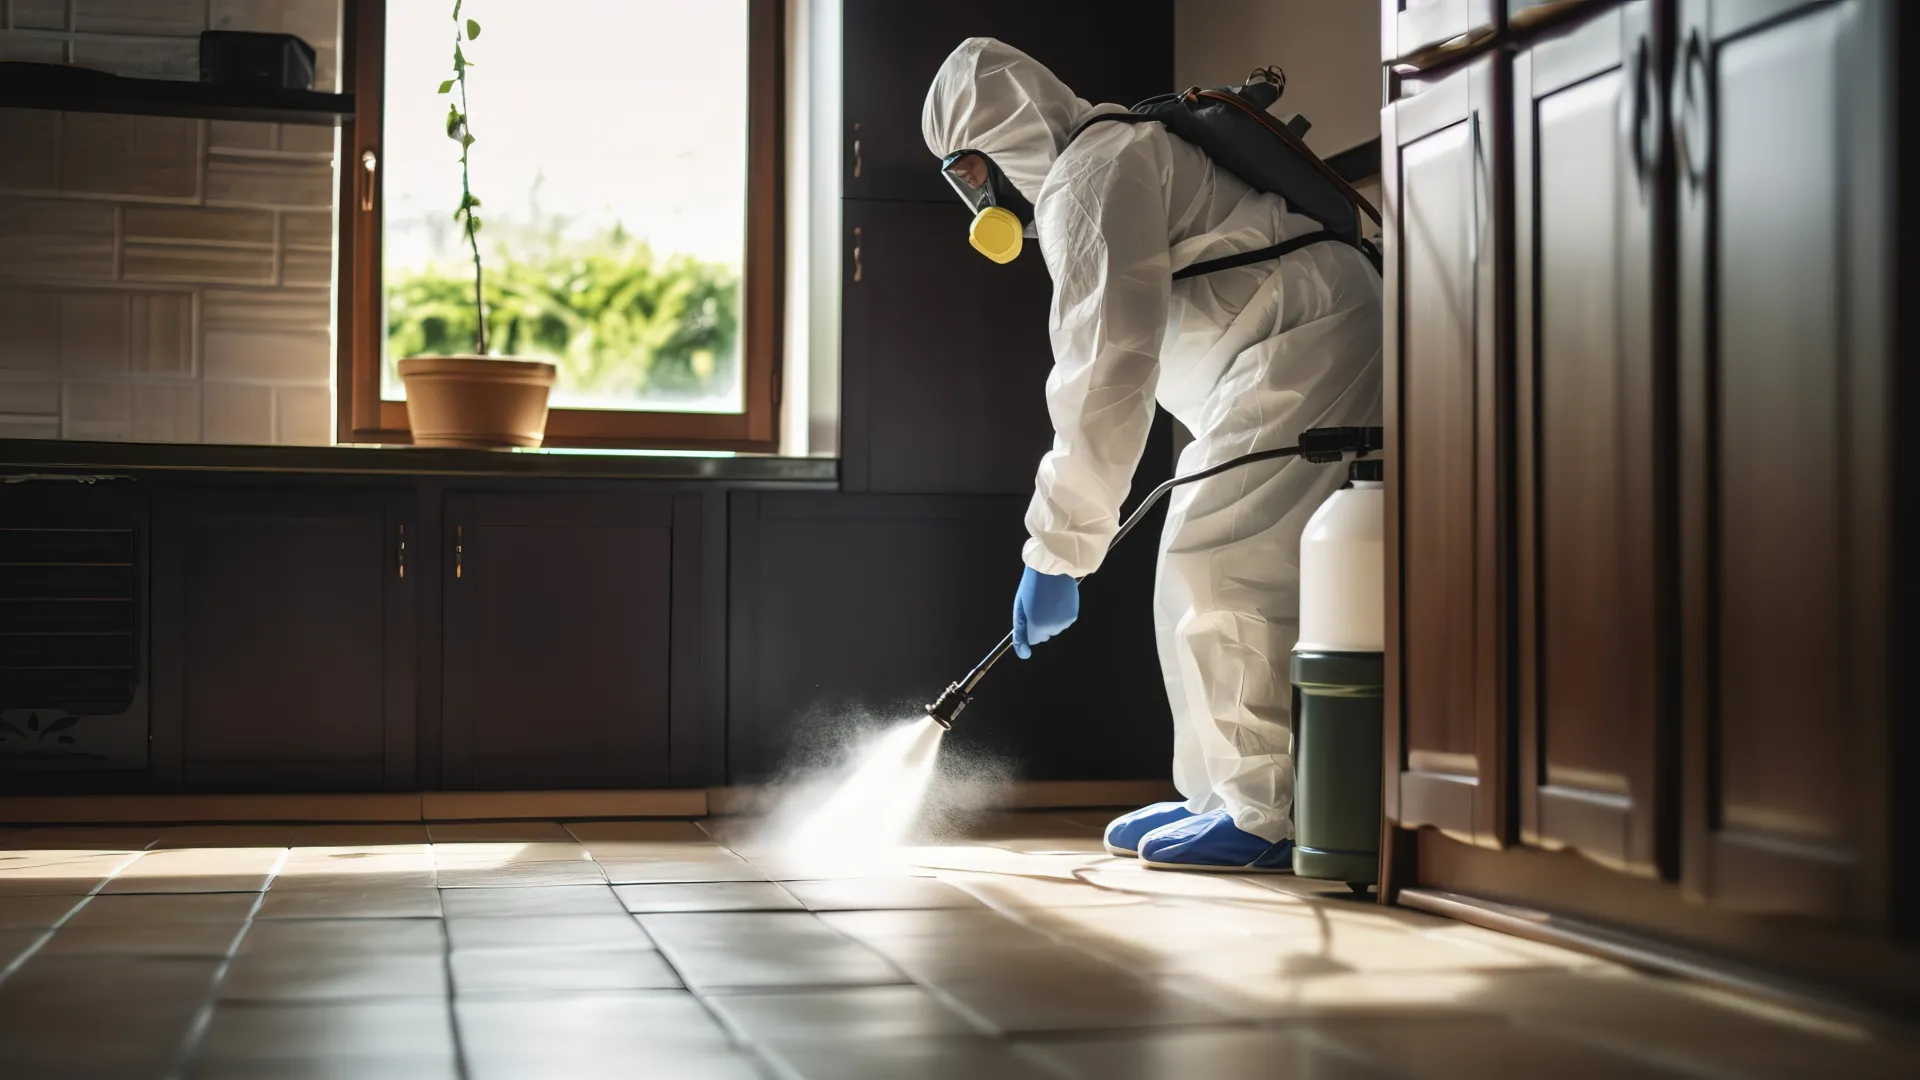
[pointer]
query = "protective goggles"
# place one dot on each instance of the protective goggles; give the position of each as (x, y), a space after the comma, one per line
(1001, 215)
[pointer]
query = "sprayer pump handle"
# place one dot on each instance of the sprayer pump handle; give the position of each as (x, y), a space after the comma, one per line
(1324, 446)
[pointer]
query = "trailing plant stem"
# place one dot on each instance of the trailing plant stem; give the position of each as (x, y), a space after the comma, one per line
(466, 192)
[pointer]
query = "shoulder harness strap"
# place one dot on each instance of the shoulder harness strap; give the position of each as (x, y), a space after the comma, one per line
(1277, 251)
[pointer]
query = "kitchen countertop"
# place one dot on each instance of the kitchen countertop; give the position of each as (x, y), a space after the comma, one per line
(68, 458)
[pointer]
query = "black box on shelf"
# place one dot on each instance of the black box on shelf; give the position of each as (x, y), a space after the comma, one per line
(243, 58)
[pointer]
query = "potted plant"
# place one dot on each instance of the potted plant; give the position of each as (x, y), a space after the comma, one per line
(473, 400)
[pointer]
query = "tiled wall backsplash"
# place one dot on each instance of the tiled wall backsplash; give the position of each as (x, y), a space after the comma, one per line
(163, 279)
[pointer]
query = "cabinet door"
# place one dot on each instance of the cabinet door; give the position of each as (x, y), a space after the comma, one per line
(1593, 623)
(852, 609)
(945, 356)
(283, 640)
(557, 640)
(1446, 390)
(1106, 50)
(1784, 199)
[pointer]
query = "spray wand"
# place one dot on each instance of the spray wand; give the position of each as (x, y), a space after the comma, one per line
(1322, 446)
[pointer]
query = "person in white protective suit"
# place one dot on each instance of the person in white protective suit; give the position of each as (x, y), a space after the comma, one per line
(1245, 358)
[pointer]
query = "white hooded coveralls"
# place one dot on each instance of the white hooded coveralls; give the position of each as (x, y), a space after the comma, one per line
(1246, 359)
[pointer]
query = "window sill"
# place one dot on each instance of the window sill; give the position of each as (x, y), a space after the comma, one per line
(18, 456)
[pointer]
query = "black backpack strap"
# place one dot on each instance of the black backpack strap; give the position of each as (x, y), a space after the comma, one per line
(1372, 251)
(1280, 250)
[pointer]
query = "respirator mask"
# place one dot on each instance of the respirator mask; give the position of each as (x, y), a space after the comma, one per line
(1002, 216)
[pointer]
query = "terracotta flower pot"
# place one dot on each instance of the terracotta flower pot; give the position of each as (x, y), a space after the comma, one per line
(478, 402)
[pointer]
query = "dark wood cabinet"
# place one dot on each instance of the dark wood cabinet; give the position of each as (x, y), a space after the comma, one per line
(309, 634)
(945, 356)
(852, 609)
(1445, 387)
(557, 630)
(860, 606)
(1785, 373)
(283, 639)
(1682, 687)
(1593, 764)
(1116, 50)
(866, 603)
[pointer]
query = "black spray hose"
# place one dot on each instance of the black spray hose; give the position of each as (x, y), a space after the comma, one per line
(1320, 445)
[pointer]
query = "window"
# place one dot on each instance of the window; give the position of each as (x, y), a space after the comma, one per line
(627, 159)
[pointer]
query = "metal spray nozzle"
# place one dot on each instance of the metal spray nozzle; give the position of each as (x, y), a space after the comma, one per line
(948, 706)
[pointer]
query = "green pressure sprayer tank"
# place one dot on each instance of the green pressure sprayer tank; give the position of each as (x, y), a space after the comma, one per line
(1339, 667)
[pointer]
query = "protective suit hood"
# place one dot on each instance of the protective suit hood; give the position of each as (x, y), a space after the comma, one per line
(991, 97)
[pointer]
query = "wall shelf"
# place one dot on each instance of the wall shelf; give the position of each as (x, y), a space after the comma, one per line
(71, 89)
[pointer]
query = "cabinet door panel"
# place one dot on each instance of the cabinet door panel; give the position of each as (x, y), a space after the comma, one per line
(946, 357)
(861, 608)
(1106, 50)
(1444, 407)
(293, 662)
(1438, 456)
(1590, 709)
(1783, 566)
(557, 640)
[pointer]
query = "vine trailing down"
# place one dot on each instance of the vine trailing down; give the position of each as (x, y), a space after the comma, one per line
(459, 131)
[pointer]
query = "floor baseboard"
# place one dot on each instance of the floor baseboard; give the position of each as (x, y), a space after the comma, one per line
(129, 809)
(500, 805)
(1021, 795)
(1655, 955)
(504, 805)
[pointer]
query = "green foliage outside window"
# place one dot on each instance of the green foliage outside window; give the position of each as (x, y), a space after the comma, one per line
(617, 321)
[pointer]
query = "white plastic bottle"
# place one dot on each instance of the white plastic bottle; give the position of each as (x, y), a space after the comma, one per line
(1343, 568)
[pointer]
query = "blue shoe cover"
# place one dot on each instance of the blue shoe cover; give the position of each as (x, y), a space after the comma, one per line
(1211, 841)
(1124, 832)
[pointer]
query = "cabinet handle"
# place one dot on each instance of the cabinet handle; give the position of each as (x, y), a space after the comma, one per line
(369, 164)
(856, 151)
(402, 558)
(1476, 223)
(1692, 122)
(856, 253)
(459, 550)
(1636, 116)
(1473, 189)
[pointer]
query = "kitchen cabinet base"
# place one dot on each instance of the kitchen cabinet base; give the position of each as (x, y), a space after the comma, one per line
(1568, 900)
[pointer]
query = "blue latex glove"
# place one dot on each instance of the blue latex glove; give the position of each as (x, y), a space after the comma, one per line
(1044, 605)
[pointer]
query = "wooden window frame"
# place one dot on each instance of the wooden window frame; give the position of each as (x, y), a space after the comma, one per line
(364, 418)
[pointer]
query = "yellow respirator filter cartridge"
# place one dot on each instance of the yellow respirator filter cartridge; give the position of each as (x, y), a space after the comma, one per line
(996, 233)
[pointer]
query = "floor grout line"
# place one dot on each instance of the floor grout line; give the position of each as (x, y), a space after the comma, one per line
(461, 1067)
(758, 1056)
(1677, 1064)
(32, 950)
(197, 1027)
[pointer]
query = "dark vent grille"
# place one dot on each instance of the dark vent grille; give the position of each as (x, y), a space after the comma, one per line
(68, 619)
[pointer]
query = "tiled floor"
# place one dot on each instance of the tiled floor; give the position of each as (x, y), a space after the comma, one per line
(686, 950)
